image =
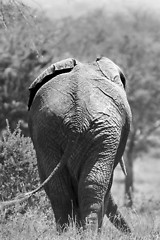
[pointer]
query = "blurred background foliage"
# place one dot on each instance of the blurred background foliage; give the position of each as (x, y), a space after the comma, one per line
(29, 42)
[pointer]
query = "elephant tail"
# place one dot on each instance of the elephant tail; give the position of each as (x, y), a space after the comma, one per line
(25, 196)
(67, 154)
(123, 167)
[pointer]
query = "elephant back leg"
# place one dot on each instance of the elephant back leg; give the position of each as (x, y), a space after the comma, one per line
(96, 177)
(60, 191)
(112, 212)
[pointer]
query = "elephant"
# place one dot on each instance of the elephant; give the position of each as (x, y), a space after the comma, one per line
(79, 119)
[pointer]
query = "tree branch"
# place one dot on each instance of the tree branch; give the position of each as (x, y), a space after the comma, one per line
(3, 15)
(143, 136)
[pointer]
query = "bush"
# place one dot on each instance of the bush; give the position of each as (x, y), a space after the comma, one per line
(18, 168)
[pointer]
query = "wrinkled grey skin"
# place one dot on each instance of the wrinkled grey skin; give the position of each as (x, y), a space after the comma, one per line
(82, 116)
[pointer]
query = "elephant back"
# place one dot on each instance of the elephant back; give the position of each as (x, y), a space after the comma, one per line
(52, 71)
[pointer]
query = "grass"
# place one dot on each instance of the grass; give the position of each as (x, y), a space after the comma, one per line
(38, 221)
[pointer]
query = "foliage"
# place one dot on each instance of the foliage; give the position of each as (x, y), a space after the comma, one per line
(18, 170)
(20, 61)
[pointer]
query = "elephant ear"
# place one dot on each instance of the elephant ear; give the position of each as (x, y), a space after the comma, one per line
(111, 71)
(52, 71)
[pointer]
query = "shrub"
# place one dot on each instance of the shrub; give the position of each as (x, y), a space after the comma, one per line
(18, 169)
